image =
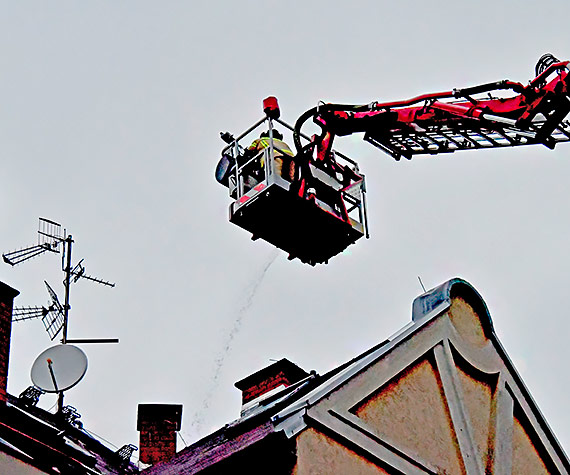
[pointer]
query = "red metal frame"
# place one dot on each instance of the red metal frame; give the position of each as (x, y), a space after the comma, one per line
(534, 114)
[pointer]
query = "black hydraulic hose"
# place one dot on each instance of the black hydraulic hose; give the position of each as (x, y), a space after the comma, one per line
(297, 129)
(492, 86)
(323, 108)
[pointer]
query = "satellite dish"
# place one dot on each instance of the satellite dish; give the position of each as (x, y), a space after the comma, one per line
(59, 368)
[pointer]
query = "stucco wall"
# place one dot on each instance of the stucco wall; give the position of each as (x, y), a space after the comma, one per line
(410, 412)
(13, 466)
(526, 460)
(319, 454)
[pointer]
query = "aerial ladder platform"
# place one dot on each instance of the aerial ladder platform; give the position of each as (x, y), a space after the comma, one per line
(311, 203)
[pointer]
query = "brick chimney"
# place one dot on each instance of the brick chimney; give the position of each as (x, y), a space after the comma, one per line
(7, 295)
(281, 373)
(158, 424)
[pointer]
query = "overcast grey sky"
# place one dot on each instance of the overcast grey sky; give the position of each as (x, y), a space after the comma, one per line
(109, 120)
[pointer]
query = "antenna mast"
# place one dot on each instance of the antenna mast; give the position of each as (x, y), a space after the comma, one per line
(67, 282)
(49, 239)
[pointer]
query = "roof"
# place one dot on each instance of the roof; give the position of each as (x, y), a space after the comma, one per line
(329, 400)
(52, 444)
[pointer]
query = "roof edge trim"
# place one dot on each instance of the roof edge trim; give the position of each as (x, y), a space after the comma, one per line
(357, 366)
(457, 287)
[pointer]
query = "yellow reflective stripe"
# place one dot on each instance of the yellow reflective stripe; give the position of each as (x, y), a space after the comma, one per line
(254, 145)
(278, 145)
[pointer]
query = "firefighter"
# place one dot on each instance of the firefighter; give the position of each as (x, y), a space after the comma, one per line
(282, 154)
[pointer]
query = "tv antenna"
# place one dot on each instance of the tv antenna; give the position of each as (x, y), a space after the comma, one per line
(49, 239)
(56, 316)
(52, 316)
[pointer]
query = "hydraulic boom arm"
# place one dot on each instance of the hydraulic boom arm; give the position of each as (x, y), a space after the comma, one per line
(454, 120)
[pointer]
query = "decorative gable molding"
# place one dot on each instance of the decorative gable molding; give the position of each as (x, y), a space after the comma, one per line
(441, 397)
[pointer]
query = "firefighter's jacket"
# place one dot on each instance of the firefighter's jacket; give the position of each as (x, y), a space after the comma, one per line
(280, 148)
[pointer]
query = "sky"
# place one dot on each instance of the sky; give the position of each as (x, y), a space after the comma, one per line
(110, 113)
